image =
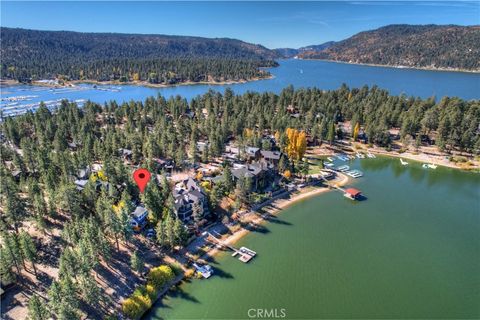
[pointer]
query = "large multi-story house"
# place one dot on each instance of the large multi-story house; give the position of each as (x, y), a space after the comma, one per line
(187, 193)
(256, 172)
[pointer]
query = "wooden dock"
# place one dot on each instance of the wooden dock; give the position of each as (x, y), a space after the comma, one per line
(245, 254)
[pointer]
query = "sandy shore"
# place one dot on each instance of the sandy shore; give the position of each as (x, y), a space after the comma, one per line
(73, 83)
(425, 158)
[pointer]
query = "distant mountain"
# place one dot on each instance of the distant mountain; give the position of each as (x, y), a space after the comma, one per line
(290, 52)
(427, 46)
(286, 52)
(109, 56)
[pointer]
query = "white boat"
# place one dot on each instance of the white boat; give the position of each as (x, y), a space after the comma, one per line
(330, 159)
(360, 155)
(328, 164)
(371, 155)
(206, 271)
(403, 162)
(425, 165)
(343, 168)
(432, 166)
(354, 173)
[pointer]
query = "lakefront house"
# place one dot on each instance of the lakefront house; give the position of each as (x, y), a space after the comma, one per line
(187, 193)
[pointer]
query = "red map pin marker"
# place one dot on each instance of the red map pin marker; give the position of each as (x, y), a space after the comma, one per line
(141, 177)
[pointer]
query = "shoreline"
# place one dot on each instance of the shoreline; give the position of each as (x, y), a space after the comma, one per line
(73, 83)
(425, 158)
(459, 70)
(279, 205)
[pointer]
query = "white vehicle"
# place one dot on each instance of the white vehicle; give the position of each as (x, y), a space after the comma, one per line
(403, 162)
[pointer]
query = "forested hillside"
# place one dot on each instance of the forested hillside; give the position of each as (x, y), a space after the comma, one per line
(427, 46)
(126, 57)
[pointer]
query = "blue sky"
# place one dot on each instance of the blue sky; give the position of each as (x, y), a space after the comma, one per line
(272, 24)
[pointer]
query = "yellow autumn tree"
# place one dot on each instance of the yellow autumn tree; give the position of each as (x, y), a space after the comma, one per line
(297, 143)
(277, 136)
(287, 174)
(355, 131)
(248, 133)
(301, 144)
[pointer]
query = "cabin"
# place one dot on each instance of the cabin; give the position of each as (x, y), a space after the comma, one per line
(138, 218)
(353, 194)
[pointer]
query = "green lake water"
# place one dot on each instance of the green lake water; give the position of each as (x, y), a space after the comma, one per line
(411, 250)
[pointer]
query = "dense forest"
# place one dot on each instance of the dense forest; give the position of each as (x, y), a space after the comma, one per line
(41, 152)
(30, 54)
(430, 46)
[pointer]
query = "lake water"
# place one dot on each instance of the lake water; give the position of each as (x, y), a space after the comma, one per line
(411, 250)
(300, 73)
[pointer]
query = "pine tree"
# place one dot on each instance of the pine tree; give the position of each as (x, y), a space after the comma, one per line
(90, 291)
(228, 178)
(161, 236)
(179, 233)
(37, 309)
(136, 262)
(29, 250)
(331, 133)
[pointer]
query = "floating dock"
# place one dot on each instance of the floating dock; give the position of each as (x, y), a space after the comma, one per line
(244, 254)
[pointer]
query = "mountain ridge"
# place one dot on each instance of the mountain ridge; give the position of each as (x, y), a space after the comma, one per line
(418, 46)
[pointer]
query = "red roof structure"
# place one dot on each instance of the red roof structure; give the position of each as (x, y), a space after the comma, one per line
(353, 192)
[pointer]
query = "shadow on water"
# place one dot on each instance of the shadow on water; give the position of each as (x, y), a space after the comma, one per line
(176, 293)
(274, 219)
(217, 272)
(255, 228)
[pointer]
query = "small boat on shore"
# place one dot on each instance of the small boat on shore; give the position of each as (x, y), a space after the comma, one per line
(432, 166)
(371, 155)
(360, 155)
(403, 162)
(205, 271)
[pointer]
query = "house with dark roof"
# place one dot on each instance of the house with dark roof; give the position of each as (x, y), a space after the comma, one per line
(187, 193)
(256, 172)
(271, 157)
